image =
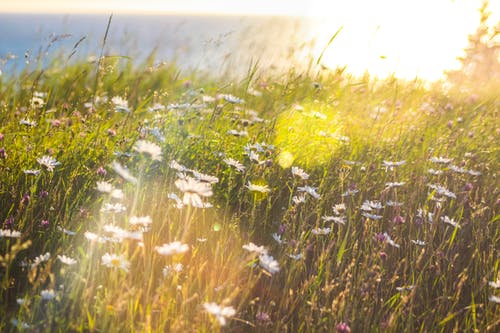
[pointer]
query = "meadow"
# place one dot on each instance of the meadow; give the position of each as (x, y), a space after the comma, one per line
(139, 198)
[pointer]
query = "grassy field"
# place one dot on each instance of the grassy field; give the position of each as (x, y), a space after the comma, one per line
(143, 199)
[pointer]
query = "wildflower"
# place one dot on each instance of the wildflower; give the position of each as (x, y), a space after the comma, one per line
(37, 102)
(9, 233)
(390, 241)
(440, 160)
(301, 198)
(369, 205)
(371, 216)
(152, 149)
(391, 203)
(395, 184)
(3, 153)
(26, 198)
(178, 202)
(121, 234)
(156, 107)
(117, 194)
(474, 173)
(423, 213)
(389, 165)
(309, 190)
(113, 208)
(435, 172)
(441, 190)
(295, 256)
(176, 268)
(66, 260)
(350, 192)
(268, 263)
(66, 231)
(101, 171)
(234, 163)
(204, 177)
(193, 191)
(172, 248)
(104, 187)
(468, 187)
(32, 172)
(231, 99)
(221, 313)
(456, 169)
(20, 301)
(48, 162)
(263, 317)
(123, 172)
(40, 259)
(494, 299)
(278, 239)
(179, 167)
(405, 288)
(258, 188)
(321, 231)
(335, 219)
(494, 284)
(418, 242)
(44, 223)
(115, 261)
(343, 328)
(144, 221)
(27, 122)
(237, 133)
(157, 134)
(48, 294)
(254, 248)
(296, 171)
(339, 209)
(398, 219)
(17, 323)
(121, 104)
(449, 221)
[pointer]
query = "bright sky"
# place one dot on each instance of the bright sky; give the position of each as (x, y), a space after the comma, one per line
(409, 37)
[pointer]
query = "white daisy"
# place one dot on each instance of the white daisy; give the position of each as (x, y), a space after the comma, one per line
(49, 162)
(150, 148)
(268, 263)
(48, 294)
(312, 191)
(258, 188)
(115, 261)
(9, 233)
(104, 187)
(449, 221)
(440, 160)
(113, 208)
(221, 313)
(296, 171)
(235, 164)
(66, 260)
(255, 248)
(321, 231)
(193, 191)
(144, 221)
(172, 248)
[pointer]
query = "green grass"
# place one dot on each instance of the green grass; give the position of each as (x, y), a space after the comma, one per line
(338, 128)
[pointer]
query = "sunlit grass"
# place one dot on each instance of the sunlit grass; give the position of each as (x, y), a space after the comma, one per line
(363, 237)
